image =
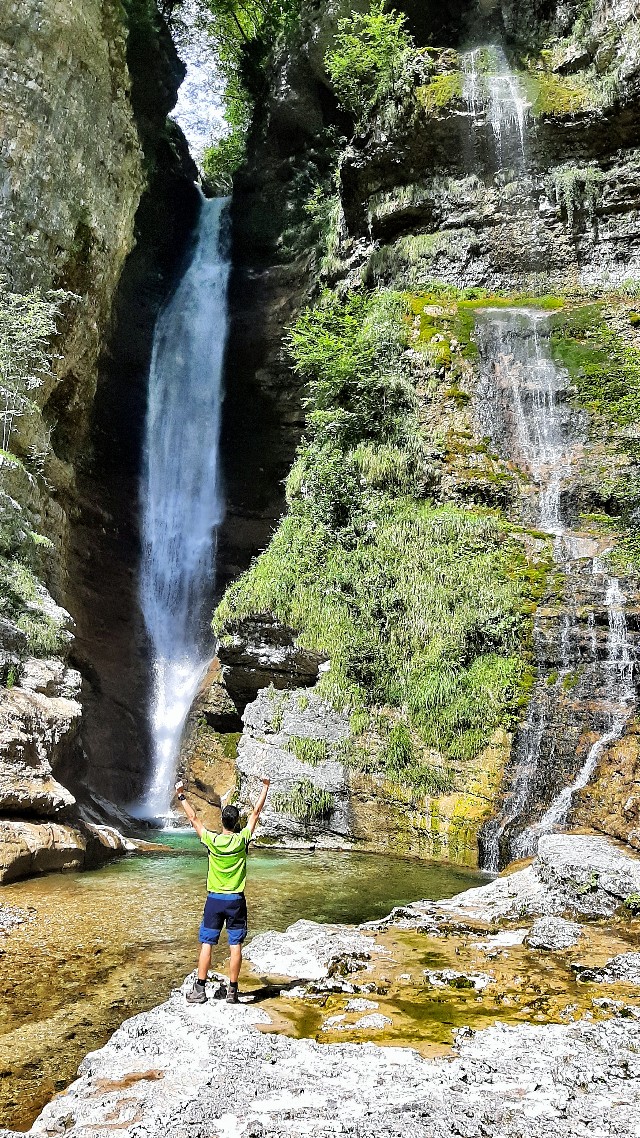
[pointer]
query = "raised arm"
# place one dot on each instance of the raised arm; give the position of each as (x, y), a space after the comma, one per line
(188, 809)
(252, 820)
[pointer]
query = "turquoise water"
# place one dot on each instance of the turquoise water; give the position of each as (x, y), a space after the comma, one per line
(108, 944)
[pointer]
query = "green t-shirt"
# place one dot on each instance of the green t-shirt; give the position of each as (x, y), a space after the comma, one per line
(227, 860)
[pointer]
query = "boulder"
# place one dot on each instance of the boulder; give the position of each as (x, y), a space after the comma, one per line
(591, 875)
(277, 727)
(575, 873)
(27, 848)
(259, 651)
(36, 734)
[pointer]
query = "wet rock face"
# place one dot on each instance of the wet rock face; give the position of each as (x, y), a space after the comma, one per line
(71, 182)
(259, 651)
(294, 739)
(89, 85)
(34, 730)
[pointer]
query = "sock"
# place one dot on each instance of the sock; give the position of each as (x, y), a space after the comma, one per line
(233, 983)
(200, 983)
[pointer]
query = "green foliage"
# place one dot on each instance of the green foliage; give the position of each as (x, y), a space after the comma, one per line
(419, 608)
(221, 160)
(368, 53)
(19, 597)
(577, 189)
(27, 323)
(305, 802)
(632, 904)
(312, 751)
(242, 34)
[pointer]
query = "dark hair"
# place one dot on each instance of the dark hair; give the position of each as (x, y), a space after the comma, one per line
(230, 816)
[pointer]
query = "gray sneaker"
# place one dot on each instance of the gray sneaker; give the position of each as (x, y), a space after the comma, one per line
(232, 995)
(197, 995)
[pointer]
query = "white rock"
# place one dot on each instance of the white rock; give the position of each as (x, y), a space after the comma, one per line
(308, 951)
(553, 934)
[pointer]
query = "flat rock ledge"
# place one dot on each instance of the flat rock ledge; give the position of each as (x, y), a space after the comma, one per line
(309, 951)
(204, 1071)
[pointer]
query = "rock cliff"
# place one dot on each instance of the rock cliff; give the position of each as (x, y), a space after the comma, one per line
(87, 87)
(498, 168)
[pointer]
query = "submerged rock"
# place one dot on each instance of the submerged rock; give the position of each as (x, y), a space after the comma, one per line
(624, 969)
(553, 933)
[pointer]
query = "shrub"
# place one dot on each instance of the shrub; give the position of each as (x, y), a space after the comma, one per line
(27, 323)
(306, 802)
(368, 52)
(221, 160)
(312, 751)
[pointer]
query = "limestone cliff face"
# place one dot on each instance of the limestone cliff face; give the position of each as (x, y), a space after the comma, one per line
(75, 160)
(421, 199)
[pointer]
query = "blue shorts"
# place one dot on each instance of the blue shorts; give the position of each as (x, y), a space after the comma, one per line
(220, 908)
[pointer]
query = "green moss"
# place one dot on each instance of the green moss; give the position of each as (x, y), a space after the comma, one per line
(305, 802)
(603, 366)
(441, 90)
(550, 94)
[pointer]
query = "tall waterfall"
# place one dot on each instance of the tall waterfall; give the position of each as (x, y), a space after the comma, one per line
(180, 492)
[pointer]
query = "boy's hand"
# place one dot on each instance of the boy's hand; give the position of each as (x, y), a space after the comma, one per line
(266, 781)
(180, 787)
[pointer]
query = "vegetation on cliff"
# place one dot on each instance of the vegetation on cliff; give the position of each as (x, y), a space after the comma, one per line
(28, 322)
(419, 606)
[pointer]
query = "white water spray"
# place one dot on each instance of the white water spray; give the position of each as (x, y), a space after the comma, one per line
(180, 493)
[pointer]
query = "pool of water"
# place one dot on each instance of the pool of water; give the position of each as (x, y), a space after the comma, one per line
(108, 944)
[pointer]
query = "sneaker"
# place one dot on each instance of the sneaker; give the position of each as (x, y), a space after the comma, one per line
(232, 995)
(197, 995)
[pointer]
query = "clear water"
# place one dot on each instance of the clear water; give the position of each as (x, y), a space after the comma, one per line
(111, 943)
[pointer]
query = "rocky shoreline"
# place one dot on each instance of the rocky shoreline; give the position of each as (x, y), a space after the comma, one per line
(214, 1070)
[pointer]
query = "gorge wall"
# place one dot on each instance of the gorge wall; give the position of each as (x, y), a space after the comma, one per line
(408, 621)
(86, 91)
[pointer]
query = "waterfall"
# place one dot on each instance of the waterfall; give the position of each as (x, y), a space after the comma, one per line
(180, 492)
(521, 407)
(496, 89)
(619, 693)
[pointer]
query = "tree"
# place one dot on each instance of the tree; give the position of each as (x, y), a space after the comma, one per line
(368, 52)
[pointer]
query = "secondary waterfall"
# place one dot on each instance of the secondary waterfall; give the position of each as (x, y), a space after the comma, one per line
(585, 660)
(583, 654)
(181, 494)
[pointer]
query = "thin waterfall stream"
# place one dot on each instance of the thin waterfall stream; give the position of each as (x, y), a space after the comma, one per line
(522, 408)
(584, 659)
(180, 492)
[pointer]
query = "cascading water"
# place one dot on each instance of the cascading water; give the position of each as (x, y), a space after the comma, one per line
(180, 492)
(522, 408)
